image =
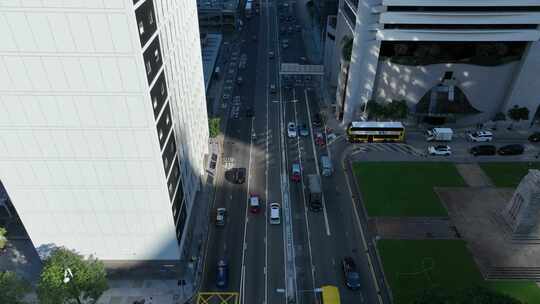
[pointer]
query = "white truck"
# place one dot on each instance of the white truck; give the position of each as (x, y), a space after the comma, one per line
(439, 134)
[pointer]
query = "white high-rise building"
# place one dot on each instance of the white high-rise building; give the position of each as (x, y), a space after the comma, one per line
(103, 125)
(469, 59)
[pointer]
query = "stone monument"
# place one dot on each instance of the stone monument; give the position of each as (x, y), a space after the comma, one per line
(522, 213)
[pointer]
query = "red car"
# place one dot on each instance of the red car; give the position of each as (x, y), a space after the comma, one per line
(296, 172)
(319, 139)
(254, 203)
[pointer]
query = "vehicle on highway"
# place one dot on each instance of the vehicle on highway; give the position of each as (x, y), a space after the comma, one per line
(236, 175)
(271, 54)
(483, 150)
(317, 120)
(480, 136)
(441, 150)
(535, 137)
(254, 203)
(439, 134)
(272, 89)
(315, 192)
(329, 295)
(239, 80)
(222, 274)
(303, 130)
(291, 130)
(221, 214)
(296, 175)
(275, 217)
(249, 111)
(375, 131)
(352, 277)
(326, 166)
(319, 138)
(515, 149)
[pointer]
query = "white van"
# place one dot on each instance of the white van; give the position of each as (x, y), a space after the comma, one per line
(326, 166)
(275, 218)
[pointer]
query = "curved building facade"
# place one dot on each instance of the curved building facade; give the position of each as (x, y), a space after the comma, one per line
(424, 51)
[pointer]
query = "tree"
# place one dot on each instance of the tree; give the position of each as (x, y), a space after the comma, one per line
(67, 277)
(3, 238)
(518, 113)
(397, 109)
(12, 288)
(475, 294)
(213, 127)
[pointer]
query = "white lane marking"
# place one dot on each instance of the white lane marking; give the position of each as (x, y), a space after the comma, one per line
(242, 273)
(304, 199)
(326, 223)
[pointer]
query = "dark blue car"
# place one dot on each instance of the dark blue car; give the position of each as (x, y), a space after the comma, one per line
(222, 274)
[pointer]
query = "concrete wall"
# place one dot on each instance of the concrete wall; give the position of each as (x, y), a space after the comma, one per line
(485, 92)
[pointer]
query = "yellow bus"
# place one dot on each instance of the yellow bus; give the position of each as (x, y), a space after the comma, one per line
(330, 295)
(375, 131)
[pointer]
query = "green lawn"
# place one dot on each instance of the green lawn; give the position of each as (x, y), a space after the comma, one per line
(411, 266)
(508, 174)
(405, 188)
(525, 291)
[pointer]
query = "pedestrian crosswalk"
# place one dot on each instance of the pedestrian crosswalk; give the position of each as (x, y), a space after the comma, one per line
(387, 147)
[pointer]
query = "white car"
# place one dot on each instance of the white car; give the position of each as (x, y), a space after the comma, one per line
(220, 216)
(440, 150)
(291, 130)
(275, 217)
(480, 136)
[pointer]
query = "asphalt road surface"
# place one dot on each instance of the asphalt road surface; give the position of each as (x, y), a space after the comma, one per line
(260, 254)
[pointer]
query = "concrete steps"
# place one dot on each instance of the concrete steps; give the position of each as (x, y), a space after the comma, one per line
(514, 273)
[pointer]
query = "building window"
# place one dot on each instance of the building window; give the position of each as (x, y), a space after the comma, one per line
(166, 162)
(148, 68)
(167, 119)
(150, 18)
(141, 28)
(160, 134)
(162, 88)
(156, 55)
(171, 189)
(154, 102)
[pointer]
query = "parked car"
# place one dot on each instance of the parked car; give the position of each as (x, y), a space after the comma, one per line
(515, 149)
(254, 203)
(535, 137)
(480, 136)
(222, 274)
(221, 214)
(291, 130)
(440, 150)
(271, 55)
(273, 89)
(483, 150)
(239, 80)
(352, 277)
(296, 175)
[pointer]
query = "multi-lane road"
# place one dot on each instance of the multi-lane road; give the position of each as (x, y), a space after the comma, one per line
(279, 263)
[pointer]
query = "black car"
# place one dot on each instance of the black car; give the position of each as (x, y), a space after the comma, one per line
(317, 120)
(515, 149)
(535, 137)
(352, 277)
(483, 150)
(236, 175)
(249, 112)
